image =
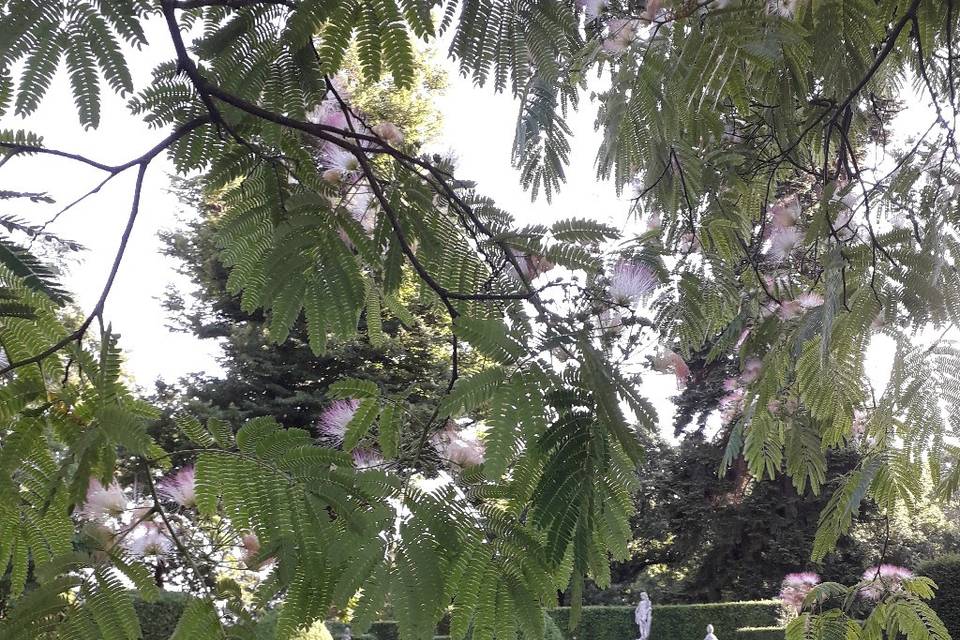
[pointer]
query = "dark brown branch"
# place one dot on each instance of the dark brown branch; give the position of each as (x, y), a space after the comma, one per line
(98, 308)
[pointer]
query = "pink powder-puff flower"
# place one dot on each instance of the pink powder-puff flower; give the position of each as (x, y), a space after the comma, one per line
(592, 8)
(731, 405)
(103, 501)
(621, 34)
(789, 309)
(180, 487)
(689, 243)
(340, 160)
(358, 204)
(366, 459)
(887, 578)
(461, 447)
(330, 114)
(335, 418)
(731, 384)
(795, 587)
(785, 213)
(810, 300)
(751, 370)
(784, 241)
(670, 361)
(148, 540)
(251, 550)
(631, 281)
(651, 10)
(389, 133)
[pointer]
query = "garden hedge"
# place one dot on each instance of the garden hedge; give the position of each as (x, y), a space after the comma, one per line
(731, 620)
(945, 571)
(671, 621)
(761, 633)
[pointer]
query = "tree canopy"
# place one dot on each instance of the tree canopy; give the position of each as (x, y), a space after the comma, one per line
(788, 226)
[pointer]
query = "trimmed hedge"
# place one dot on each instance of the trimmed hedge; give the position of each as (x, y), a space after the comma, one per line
(761, 633)
(387, 630)
(158, 619)
(670, 621)
(731, 620)
(945, 571)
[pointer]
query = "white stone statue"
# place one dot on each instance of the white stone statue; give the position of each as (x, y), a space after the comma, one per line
(710, 635)
(643, 615)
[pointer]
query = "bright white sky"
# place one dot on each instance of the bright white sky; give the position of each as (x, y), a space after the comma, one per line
(478, 128)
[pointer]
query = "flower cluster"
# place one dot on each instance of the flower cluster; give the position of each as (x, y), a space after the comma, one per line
(335, 418)
(783, 233)
(669, 361)
(886, 578)
(462, 447)
(366, 459)
(180, 487)
(631, 282)
(795, 587)
(103, 501)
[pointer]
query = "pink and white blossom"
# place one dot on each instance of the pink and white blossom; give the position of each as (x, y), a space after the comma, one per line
(251, 550)
(366, 459)
(389, 133)
(751, 370)
(789, 309)
(887, 578)
(651, 10)
(783, 8)
(338, 159)
(329, 113)
(358, 204)
(631, 281)
(335, 418)
(148, 540)
(103, 501)
(785, 213)
(689, 243)
(621, 34)
(784, 241)
(461, 447)
(810, 300)
(593, 8)
(180, 487)
(731, 405)
(669, 361)
(795, 587)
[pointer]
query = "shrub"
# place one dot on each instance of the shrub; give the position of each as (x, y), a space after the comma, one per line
(671, 621)
(387, 630)
(761, 633)
(158, 619)
(945, 571)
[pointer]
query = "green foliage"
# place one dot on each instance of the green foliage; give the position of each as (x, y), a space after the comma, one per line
(945, 571)
(159, 618)
(669, 621)
(720, 114)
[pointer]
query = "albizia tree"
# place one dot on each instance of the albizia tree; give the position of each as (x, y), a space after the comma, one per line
(786, 231)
